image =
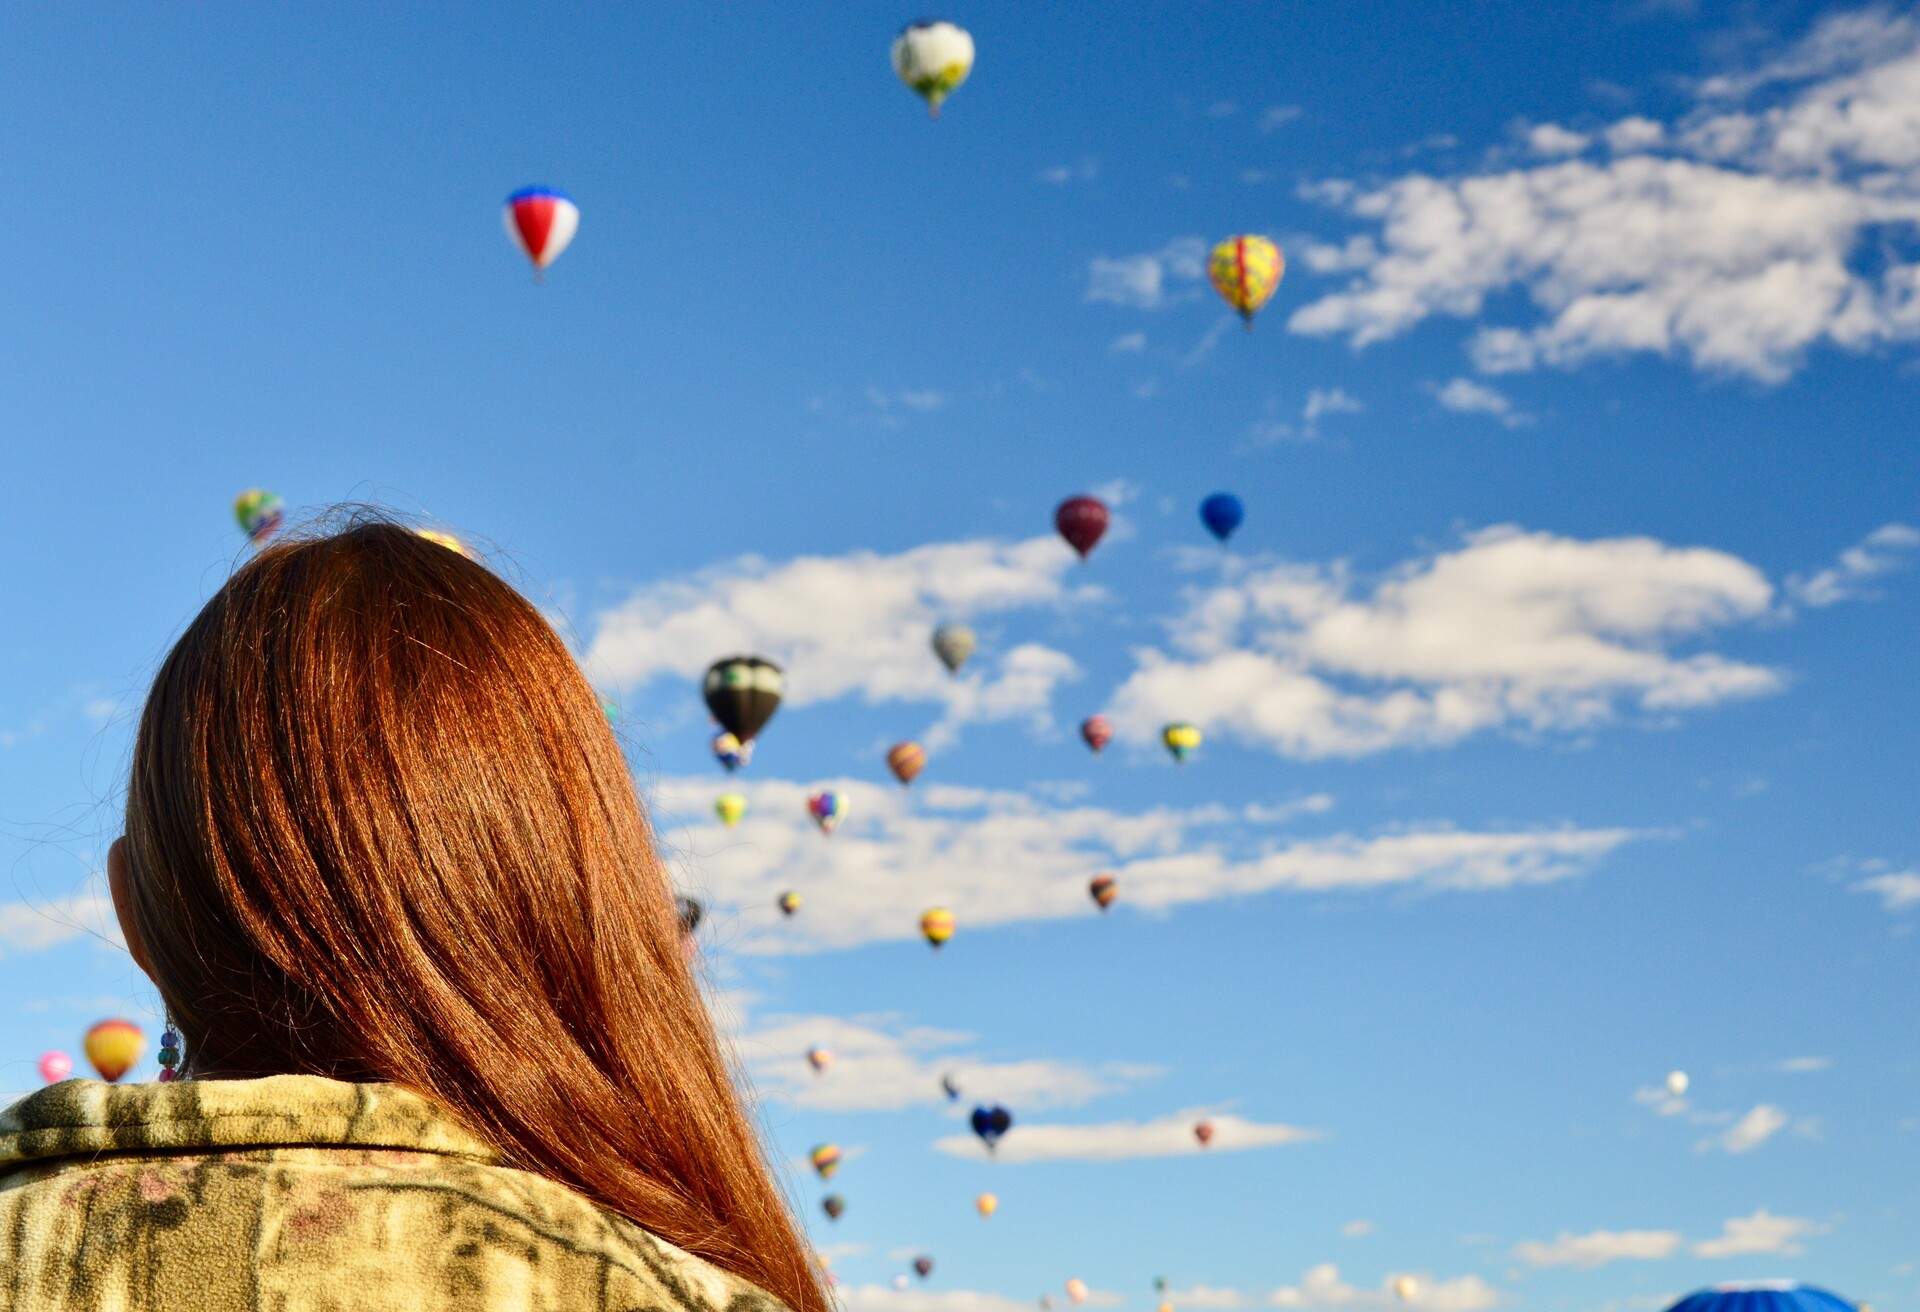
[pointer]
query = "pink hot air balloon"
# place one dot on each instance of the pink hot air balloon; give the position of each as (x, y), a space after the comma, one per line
(541, 222)
(1082, 521)
(1097, 731)
(55, 1066)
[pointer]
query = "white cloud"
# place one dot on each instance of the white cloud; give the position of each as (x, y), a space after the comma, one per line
(1512, 629)
(882, 1064)
(852, 624)
(1004, 856)
(1749, 1132)
(1464, 396)
(1882, 551)
(1663, 1102)
(1166, 1136)
(1128, 343)
(1328, 401)
(1599, 1247)
(1552, 139)
(1358, 1229)
(1084, 169)
(1760, 1233)
(1803, 1065)
(34, 926)
(1750, 242)
(1274, 117)
(1150, 279)
(1897, 890)
(1322, 1287)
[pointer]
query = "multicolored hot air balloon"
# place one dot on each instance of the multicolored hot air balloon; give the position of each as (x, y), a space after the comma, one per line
(819, 1058)
(950, 1087)
(743, 692)
(1182, 740)
(730, 751)
(990, 1123)
(1222, 513)
(953, 643)
(790, 902)
(986, 1205)
(55, 1066)
(826, 1159)
(541, 222)
(1104, 888)
(1082, 521)
(936, 926)
(1203, 1131)
(113, 1046)
(1245, 270)
(1097, 731)
(828, 807)
(906, 760)
(833, 1205)
(690, 913)
(730, 807)
(933, 58)
(258, 512)
(1077, 1290)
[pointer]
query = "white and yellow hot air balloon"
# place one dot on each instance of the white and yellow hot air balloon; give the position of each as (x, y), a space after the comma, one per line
(1406, 1288)
(1245, 270)
(933, 57)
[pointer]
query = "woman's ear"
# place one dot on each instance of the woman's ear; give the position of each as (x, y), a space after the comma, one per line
(119, 875)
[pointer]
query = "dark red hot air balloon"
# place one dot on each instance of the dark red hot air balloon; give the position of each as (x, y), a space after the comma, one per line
(1082, 521)
(1203, 1131)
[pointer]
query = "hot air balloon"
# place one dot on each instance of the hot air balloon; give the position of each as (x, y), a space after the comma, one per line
(541, 222)
(933, 58)
(743, 692)
(113, 1046)
(1159, 1284)
(1164, 1307)
(1222, 513)
(1405, 1288)
(826, 1159)
(833, 1205)
(730, 807)
(937, 926)
(441, 538)
(923, 1266)
(906, 760)
(1082, 521)
(990, 1123)
(819, 1058)
(1182, 739)
(828, 807)
(953, 643)
(900, 1282)
(731, 752)
(1203, 1131)
(986, 1205)
(55, 1066)
(258, 512)
(1678, 1083)
(690, 912)
(950, 1087)
(1245, 270)
(1077, 1290)
(1766, 1296)
(1104, 888)
(789, 902)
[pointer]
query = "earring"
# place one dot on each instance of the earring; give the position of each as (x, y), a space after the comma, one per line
(169, 1054)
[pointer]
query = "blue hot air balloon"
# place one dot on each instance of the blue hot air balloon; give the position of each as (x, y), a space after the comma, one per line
(990, 1123)
(1222, 513)
(1763, 1296)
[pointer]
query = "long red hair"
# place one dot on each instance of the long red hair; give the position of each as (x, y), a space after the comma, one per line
(378, 828)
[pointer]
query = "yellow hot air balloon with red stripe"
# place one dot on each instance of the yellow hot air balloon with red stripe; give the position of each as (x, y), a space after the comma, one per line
(1245, 271)
(937, 925)
(113, 1046)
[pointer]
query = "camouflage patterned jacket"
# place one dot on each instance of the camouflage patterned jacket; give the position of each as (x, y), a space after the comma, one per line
(298, 1194)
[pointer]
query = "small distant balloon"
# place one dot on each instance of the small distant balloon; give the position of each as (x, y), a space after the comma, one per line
(742, 693)
(833, 1205)
(1406, 1288)
(933, 57)
(113, 1046)
(986, 1205)
(901, 1282)
(826, 1159)
(55, 1066)
(1245, 271)
(1222, 513)
(936, 926)
(819, 1058)
(950, 1087)
(1077, 1290)
(990, 1123)
(441, 538)
(1203, 1131)
(1164, 1307)
(258, 512)
(541, 222)
(1678, 1083)
(1159, 1284)
(730, 751)
(828, 807)
(1082, 521)
(1181, 739)
(730, 807)
(690, 913)
(907, 760)
(1097, 731)
(1104, 889)
(953, 643)
(790, 902)
(923, 1266)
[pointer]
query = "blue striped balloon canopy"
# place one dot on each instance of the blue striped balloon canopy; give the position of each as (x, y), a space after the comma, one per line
(1764, 1296)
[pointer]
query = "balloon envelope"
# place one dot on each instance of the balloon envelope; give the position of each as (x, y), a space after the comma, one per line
(1104, 889)
(1767, 1296)
(730, 807)
(990, 1122)
(730, 751)
(113, 1046)
(1678, 1083)
(55, 1066)
(933, 58)
(950, 1087)
(1245, 270)
(1182, 740)
(826, 1159)
(986, 1205)
(743, 692)
(789, 902)
(833, 1205)
(819, 1058)
(953, 643)
(1082, 521)
(541, 222)
(1222, 513)
(1077, 1290)
(1405, 1287)
(1097, 731)
(828, 807)
(690, 912)
(1203, 1131)
(258, 512)
(923, 1266)
(936, 926)
(907, 760)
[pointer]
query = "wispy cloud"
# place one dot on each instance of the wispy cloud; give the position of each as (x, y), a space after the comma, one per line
(1888, 548)
(1749, 1132)
(1597, 1248)
(1150, 279)
(1464, 396)
(1084, 169)
(1275, 117)
(1762, 1233)
(1897, 889)
(36, 926)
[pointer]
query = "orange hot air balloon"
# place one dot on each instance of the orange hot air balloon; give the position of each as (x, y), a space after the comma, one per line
(1104, 888)
(986, 1205)
(937, 925)
(1203, 1131)
(819, 1058)
(907, 760)
(113, 1046)
(1077, 1290)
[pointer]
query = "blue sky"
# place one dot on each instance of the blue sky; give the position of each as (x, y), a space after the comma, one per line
(1557, 689)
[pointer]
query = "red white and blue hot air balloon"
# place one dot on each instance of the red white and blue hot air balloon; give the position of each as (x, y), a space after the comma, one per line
(541, 222)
